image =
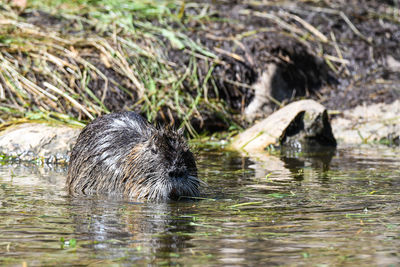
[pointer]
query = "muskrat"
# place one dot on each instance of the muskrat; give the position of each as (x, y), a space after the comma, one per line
(122, 153)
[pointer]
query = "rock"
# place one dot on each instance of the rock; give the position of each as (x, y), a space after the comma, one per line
(366, 124)
(38, 141)
(393, 64)
(298, 124)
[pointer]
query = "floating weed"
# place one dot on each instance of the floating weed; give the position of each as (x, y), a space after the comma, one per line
(279, 195)
(71, 243)
(392, 226)
(246, 204)
(305, 255)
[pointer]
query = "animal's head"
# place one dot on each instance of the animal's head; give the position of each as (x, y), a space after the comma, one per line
(161, 167)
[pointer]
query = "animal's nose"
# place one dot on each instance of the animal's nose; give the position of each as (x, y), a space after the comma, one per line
(176, 173)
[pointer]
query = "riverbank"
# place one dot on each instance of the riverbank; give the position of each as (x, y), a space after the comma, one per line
(196, 64)
(376, 124)
(206, 66)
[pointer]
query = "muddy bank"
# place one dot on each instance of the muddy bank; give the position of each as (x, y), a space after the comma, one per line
(305, 125)
(341, 54)
(207, 65)
(302, 124)
(366, 124)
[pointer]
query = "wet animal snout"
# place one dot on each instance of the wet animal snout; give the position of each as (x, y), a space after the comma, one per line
(177, 173)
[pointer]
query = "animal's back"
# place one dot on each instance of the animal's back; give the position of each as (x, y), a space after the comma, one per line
(101, 149)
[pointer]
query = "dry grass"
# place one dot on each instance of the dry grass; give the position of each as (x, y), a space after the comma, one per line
(87, 58)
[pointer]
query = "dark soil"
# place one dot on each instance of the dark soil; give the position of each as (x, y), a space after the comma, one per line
(366, 78)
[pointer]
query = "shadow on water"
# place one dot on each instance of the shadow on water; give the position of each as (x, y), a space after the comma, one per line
(336, 207)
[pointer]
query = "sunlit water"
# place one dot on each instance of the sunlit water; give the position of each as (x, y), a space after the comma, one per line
(340, 208)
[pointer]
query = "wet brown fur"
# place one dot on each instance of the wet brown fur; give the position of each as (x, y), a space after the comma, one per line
(121, 153)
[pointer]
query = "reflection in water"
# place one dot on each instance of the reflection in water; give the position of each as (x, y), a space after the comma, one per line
(317, 159)
(149, 228)
(291, 164)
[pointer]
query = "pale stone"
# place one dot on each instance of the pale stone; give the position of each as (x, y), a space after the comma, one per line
(368, 123)
(33, 141)
(272, 129)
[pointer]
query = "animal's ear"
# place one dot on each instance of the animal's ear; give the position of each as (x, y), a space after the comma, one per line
(181, 131)
(152, 145)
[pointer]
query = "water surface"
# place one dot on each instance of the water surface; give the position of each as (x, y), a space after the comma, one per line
(329, 209)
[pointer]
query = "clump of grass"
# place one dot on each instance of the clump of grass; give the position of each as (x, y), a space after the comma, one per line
(84, 58)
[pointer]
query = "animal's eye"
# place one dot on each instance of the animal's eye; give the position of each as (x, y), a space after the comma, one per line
(153, 150)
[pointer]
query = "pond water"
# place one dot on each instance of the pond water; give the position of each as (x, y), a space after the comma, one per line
(325, 209)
